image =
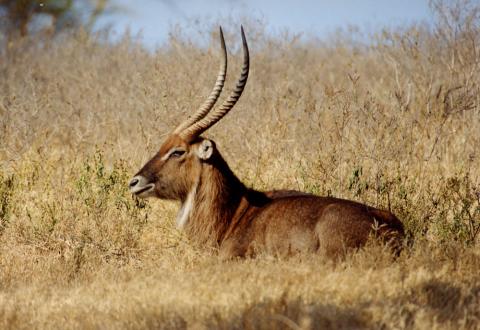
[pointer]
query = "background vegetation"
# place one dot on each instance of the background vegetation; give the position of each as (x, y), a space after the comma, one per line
(394, 124)
(26, 17)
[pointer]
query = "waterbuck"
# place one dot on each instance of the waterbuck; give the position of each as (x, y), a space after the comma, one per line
(218, 210)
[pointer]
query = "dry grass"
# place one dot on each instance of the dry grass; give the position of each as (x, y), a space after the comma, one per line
(395, 125)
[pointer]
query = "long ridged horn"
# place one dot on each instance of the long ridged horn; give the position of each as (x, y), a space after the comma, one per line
(212, 98)
(205, 123)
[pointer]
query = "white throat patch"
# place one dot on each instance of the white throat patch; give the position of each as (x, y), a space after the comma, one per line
(184, 213)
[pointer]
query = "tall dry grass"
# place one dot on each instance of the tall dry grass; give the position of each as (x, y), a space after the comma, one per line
(395, 124)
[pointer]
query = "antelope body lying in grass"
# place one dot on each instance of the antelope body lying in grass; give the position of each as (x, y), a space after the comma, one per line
(217, 209)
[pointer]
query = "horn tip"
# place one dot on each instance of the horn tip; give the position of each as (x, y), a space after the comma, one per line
(244, 39)
(222, 39)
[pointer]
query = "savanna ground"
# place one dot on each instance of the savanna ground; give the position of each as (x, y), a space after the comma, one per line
(395, 124)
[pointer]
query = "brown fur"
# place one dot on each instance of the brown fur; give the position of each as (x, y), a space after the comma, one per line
(243, 222)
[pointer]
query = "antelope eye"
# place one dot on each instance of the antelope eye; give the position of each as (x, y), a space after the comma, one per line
(177, 153)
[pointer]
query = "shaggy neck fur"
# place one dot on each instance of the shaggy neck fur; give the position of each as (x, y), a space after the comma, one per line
(186, 209)
(216, 198)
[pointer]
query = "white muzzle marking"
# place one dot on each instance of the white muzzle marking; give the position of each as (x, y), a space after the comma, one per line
(139, 186)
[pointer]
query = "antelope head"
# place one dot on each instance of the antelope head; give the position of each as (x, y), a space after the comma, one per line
(176, 168)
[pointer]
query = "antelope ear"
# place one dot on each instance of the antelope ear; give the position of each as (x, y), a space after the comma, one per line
(205, 149)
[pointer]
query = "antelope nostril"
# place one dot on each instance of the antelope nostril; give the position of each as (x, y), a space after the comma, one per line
(133, 183)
